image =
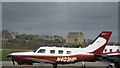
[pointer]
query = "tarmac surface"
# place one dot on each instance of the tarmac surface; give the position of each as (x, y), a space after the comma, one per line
(50, 67)
(8, 64)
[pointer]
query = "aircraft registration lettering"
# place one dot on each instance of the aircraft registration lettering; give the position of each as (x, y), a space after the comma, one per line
(66, 59)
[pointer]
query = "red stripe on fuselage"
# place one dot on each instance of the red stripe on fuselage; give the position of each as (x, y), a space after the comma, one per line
(53, 59)
(111, 52)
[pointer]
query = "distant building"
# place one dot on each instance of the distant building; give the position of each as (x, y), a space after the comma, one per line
(51, 38)
(75, 38)
(13, 34)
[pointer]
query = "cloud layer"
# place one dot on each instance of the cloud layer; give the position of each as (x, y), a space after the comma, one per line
(60, 18)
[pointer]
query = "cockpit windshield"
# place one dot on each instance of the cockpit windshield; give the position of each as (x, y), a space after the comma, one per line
(35, 50)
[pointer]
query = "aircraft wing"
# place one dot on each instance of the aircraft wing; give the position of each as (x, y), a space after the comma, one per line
(113, 57)
(109, 56)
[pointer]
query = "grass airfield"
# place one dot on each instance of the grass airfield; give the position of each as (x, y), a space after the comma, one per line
(5, 52)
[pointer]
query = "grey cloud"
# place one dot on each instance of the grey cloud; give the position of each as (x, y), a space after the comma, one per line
(49, 18)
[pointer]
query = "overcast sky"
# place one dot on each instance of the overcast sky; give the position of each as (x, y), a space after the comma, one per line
(41, 18)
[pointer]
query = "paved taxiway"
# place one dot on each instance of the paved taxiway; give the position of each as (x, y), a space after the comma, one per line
(8, 64)
(50, 67)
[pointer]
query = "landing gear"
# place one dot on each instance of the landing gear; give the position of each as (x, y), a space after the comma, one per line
(83, 65)
(54, 65)
(109, 66)
(20, 66)
(117, 65)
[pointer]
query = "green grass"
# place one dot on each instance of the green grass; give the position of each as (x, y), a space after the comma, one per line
(5, 52)
(4, 38)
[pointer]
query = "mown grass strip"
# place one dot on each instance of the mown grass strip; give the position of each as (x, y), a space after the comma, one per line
(5, 52)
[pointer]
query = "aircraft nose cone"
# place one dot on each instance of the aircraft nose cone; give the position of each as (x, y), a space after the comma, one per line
(9, 55)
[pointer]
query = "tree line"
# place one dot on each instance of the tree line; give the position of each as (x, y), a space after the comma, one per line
(11, 40)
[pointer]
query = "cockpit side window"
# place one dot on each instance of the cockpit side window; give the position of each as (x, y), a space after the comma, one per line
(41, 51)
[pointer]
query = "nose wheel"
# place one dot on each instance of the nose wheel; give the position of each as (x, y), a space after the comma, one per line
(83, 65)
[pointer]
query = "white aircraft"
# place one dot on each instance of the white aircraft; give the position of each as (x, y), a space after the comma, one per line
(112, 54)
(62, 55)
(111, 48)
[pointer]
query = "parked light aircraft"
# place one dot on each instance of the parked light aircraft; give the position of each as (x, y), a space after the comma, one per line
(62, 55)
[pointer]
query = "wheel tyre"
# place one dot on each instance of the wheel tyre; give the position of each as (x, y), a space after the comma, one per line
(84, 66)
(110, 66)
(117, 65)
(54, 65)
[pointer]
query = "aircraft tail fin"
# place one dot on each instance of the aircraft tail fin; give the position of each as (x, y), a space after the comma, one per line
(99, 43)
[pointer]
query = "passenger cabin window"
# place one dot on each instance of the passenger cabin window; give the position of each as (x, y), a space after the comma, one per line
(105, 50)
(68, 52)
(60, 51)
(110, 50)
(117, 50)
(52, 51)
(41, 51)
